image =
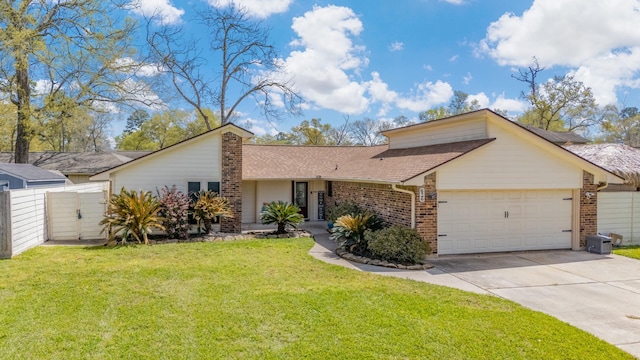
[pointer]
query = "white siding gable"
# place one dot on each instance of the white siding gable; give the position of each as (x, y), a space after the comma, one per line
(509, 162)
(196, 160)
(447, 132)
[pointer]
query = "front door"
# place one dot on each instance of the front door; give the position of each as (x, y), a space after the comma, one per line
(301, 198)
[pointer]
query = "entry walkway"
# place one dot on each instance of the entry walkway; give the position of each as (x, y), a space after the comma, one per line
(596, 293)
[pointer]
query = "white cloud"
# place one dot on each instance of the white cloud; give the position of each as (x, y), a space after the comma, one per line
(42, 87)
(396, 46)
(481, 98)
(454, 2)
(467, 78)
(258, 127)
(322, 67)
(258, 8)
(453, 58)
(599, 41)
(163, 9)
(511, 105)
(139, 68)
(426, 96)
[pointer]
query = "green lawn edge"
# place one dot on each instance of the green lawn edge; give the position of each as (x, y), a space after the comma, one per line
(266, 299)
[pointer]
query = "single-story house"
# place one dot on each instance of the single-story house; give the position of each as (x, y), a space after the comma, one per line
(470, 183)
(77, 166)
(23, 176)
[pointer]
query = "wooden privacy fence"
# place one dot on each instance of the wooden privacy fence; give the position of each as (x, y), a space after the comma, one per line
(619, 212)
(24, 215)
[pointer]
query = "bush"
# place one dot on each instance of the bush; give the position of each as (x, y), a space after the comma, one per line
(397, 244)
(283, 214)
(132, 213)
(174, 208)
(350, 230)
(208, 206)
(345, 208)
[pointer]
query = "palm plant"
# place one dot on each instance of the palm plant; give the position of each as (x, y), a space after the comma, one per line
(133, 214)
(350, 230)
(282, 213)
(208, 206)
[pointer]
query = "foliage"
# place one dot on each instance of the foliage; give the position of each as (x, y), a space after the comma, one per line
(174, 209)
(50, 41)
(312, 132)
(161, 130)
(243, 299)
(133, 214)
(459, 104)
(397, 243)
(350, 229)
(560, 103)
(283, 214)
(135, 120)
(621, 127)
(366, 131)
(208, 206)
(344, 208)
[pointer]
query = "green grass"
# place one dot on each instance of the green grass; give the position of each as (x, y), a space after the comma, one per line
(628, 251)
(256, 300)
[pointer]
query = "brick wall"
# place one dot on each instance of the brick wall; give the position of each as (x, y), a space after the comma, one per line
(427, 213)
(231, 186)
(393, 207)
(588, 208)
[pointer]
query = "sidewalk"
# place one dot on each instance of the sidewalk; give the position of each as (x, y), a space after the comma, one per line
(324, 249)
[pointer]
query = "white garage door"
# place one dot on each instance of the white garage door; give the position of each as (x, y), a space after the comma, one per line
(494, 221)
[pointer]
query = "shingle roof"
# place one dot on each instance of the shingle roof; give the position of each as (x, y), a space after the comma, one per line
(377, 163)
(77, 163)
(29, 172)
(558, 137)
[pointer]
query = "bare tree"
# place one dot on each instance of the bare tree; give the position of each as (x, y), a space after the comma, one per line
(247, 61)
(367, 132)
(340, 135)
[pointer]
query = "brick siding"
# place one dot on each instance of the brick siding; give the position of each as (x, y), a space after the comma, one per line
(393, 207)
(588, 208)
(231, 186)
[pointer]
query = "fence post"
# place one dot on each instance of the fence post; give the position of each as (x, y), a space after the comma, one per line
(5, 225)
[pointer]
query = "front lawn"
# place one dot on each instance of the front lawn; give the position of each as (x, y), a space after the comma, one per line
(258, 299)
(628, 251)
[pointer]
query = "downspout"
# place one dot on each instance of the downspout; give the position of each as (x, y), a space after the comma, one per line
(602, 187)
(413, 203)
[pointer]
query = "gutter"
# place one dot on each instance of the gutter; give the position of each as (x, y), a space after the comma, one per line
(605, 185)
(413, 203)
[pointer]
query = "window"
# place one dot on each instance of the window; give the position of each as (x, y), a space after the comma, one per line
(330, 188)
(214, 186)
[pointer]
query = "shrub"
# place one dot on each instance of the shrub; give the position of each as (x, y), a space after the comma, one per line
(132, 213)
(208, 206)
(174, 208)
(350, 230)
(397, 244)
(345, 208)
(282, 213)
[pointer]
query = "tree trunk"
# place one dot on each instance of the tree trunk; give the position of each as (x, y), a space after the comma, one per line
(23, 102)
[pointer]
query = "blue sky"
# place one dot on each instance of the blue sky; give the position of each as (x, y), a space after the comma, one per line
(383, 58)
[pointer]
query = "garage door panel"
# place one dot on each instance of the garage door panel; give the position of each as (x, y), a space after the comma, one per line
(493, 221)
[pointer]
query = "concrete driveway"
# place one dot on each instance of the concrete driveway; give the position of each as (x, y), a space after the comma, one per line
(596, 293)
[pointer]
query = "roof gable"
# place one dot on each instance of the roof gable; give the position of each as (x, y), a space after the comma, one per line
(104, 175)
